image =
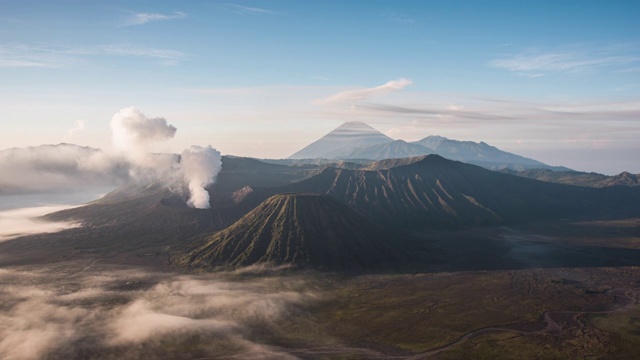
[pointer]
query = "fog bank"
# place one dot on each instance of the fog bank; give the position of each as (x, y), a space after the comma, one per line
(64, 313)
(19, 222)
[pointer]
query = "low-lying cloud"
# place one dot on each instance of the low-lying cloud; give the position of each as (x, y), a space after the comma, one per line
(27, 221)
(59, 168)
(131, 314)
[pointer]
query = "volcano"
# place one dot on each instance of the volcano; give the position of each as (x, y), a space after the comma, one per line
(301, 229)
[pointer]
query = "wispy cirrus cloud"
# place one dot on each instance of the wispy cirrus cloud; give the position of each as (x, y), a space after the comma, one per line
(358, 95)
(26, 56)
(500, 111)
(535, 63)
(145, 18)
(169, 57)
(249, 10)
(401, 19)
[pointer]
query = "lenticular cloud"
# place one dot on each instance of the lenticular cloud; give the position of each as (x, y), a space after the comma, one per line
(200, 167)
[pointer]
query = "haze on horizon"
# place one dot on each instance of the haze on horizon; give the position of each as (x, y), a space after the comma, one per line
(559, 83)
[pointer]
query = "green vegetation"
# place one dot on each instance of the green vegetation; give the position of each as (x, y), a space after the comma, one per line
(416, 313)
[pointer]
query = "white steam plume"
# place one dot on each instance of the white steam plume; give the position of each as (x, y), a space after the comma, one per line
(200, 166)
(132, 130)
(133, 133)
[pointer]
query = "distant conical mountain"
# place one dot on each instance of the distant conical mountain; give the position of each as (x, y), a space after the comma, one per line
(357, 140)
(342, 140)
(303, 229)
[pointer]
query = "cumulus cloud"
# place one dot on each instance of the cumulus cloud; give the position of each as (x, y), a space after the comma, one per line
(132, 131)
(200, 166)
(130, 314)
(80, 125)
(358, 95)
(135, 136)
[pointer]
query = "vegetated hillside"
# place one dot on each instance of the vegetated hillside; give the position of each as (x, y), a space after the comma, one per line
(438, 192)
(342, 141)
(303, 229)
(578, 178)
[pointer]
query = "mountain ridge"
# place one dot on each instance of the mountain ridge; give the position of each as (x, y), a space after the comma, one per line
(434, 191)
(357, 140)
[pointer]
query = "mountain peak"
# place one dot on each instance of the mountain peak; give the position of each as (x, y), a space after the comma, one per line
(355, 128)
(354, 123)
(342, 141)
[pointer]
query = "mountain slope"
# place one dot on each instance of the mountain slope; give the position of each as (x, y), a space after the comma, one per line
(342, 141)
(238, 172)
(481, 154)
(394, 150)
(139, 215)
(304, 229)
(435, 191)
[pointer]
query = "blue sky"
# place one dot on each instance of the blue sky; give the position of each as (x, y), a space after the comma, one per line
(557, 81)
